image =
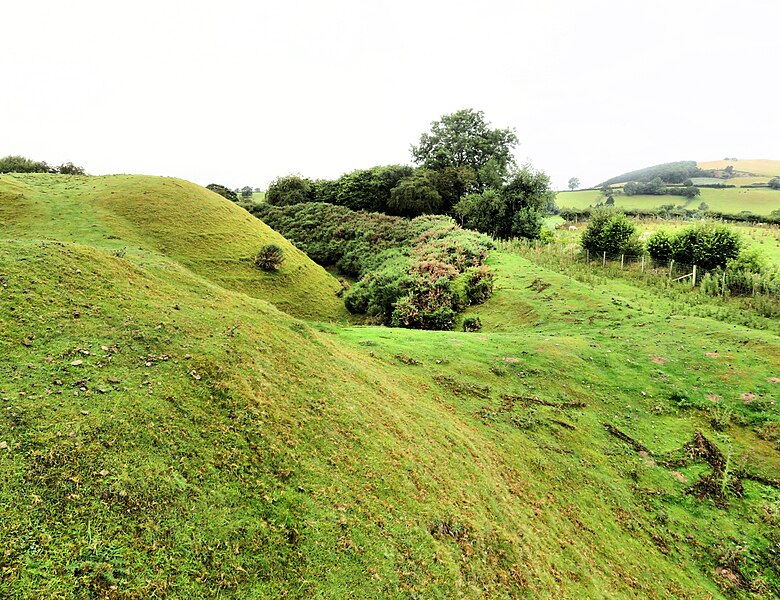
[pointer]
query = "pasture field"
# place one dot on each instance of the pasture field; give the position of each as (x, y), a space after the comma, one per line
(765, 168)
(761, 201)
(167, 435)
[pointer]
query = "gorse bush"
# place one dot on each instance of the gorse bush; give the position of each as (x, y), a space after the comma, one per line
(416, 273)
(269, 258)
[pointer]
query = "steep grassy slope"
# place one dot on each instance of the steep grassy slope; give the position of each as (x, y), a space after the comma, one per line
(153, 218)
(165, 438)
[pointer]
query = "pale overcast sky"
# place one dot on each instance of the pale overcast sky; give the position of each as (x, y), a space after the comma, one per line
(238, 92)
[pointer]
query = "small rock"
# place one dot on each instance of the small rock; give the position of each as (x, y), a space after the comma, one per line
(85, 412)
(77, 363)
(3, 445)
(103, 473)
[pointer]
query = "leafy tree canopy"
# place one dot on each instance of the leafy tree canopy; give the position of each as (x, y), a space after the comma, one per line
(465, 139)
(223, 191)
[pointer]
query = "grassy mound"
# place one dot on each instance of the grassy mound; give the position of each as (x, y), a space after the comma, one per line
(165, 435)
(155, 218)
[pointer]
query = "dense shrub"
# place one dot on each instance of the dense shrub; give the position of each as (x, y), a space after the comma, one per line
(289, 190)
(472, 323)
(654, 187)
(411, 273)
(612, 232)
(707, 245)
(269, 258)
(223, 191)
(774, 183)
(20, 164)
(415, 195)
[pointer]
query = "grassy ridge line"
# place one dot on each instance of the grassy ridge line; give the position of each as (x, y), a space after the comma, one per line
(201, 452)
(155, 216)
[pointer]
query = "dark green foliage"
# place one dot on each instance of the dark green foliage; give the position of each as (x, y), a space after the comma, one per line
(707, 245)
(517, 210)
(478, 284)
(411, 273)
(464, 139)
(612, 232)
(246, 192)
(661, 246)
(69, 168)
(269, 258)
(415, 195)
(574, 183)
(289, 190)
(674, 172)
(223, 191)
(653, 187)
(472, 323)
(20, 164)
(370, 189)
(774, 183)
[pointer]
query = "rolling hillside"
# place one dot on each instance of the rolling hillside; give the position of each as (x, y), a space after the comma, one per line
(154, 219)
(165, 434)
(732, 200)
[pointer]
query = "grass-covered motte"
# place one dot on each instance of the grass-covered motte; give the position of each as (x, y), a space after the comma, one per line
(416, 273)
(166, 434)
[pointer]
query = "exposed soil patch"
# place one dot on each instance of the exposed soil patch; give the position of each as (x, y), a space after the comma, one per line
(714, 398)
(659, 360)
(539, 285)
(712, 355)
(509, 359)
(748, 397)
(773, 379)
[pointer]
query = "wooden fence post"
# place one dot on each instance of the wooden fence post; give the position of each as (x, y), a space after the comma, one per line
(671, 266)
(622, 258)
(643, 263)
(693, 279)
(604, 259)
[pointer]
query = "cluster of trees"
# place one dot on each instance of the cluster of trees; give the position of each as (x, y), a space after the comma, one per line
(416, 273)
(20, 164)
(774, 183)
(464, 168)
(232, 195)
(377, 225)
(657, 187)
(708, 245)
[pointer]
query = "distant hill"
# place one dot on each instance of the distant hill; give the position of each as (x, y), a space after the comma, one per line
(725, 186)
(152, 218)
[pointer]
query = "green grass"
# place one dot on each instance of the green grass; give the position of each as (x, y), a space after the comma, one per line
(761, 201)
(160, 218)
(166, 436)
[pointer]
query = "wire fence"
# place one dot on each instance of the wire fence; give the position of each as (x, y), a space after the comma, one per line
(721, 281)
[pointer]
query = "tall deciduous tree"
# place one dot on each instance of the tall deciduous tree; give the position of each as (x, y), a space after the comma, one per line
(574, 183)
(464, 139)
